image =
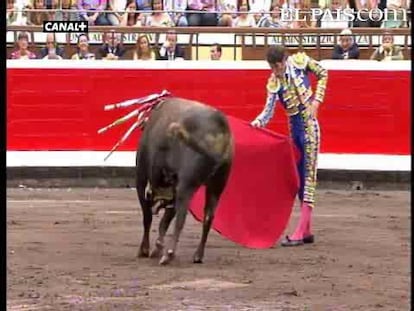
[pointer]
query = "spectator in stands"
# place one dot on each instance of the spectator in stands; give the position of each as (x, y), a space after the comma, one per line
(37, 18)
(274, 19)
(170, 50)
(346, 48)
(96, 16)
(112, 48)
(51, 5)
(395, 14)
(176, 9)
(334, 17)
(131, 18)
(388, 50)
(22, 51)
(207, 15)
(143, 50)
(304, 18)
(20, 14)
(261, 6)
(362, 9)
(11, 16)
(67, 16)
(244, 19)
(117, 7)
(158, 17)
(228, 9)
(52, 49)
(215, 52)
(143, 5)
(83, 49)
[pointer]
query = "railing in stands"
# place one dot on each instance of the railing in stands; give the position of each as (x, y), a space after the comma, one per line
(252, 42)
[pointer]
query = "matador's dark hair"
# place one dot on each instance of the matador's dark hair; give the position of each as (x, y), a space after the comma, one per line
(276, 54)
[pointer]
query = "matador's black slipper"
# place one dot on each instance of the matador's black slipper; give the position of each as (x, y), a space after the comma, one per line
(309, 239)
(306, 240)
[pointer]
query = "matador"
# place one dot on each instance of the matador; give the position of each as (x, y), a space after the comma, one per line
(290, 84)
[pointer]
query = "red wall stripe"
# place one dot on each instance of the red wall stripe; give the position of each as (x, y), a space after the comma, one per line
(62, 109)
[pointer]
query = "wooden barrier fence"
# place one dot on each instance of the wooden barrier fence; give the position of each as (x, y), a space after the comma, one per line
(248, 43)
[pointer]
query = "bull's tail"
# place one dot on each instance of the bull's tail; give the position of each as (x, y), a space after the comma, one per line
(216, 147)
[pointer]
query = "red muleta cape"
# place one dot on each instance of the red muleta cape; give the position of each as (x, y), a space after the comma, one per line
(256, 205)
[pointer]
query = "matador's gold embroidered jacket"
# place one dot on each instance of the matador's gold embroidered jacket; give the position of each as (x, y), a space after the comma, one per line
(294, 90)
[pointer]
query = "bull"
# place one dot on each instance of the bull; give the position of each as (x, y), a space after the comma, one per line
(184, 145)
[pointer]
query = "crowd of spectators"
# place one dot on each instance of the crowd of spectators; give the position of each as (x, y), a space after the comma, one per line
(347, 48)
(113, 49)
(182, 13)
(231, 13)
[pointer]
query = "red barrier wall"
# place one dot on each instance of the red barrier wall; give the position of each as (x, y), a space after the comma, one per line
(62, 109)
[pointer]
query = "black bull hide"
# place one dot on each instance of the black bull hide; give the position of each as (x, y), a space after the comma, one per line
(184, 145)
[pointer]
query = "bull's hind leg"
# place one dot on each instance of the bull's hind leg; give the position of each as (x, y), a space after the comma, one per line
(146, 213)
(163, 228)
(214, 189)
(183, 197)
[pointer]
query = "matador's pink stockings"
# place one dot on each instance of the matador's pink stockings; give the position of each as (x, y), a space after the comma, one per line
(303, 228)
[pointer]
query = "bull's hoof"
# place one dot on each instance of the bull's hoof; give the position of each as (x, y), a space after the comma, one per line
(156, 253)
(143, 253)
(197, 258)
(166, 259)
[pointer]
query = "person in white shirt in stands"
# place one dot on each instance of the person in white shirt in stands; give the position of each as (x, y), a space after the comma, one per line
(244, 19)
(331, 18)
(228, 9)
(274, 19)
(176, 9)
(159, 17)
(170, 50)
(396, 14)
(117, 7)
(20, 17)
(260, 8)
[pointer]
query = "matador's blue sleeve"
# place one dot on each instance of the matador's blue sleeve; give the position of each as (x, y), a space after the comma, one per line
(272, 88)
(268, 111)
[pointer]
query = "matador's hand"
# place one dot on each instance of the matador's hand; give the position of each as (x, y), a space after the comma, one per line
(313, 109)
(255, 123)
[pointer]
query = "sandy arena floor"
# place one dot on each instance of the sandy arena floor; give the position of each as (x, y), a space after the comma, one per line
(75, 249)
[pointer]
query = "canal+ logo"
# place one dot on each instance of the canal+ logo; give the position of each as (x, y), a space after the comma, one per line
(65, 26)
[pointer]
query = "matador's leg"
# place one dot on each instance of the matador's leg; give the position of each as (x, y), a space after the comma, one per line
(297, 132)
(312, 142)
(310, 149)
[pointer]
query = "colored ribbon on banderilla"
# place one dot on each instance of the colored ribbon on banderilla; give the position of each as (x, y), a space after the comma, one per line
(148, 103)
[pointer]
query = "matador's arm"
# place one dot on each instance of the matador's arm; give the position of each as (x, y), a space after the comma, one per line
(322, 75)
(268, 111)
